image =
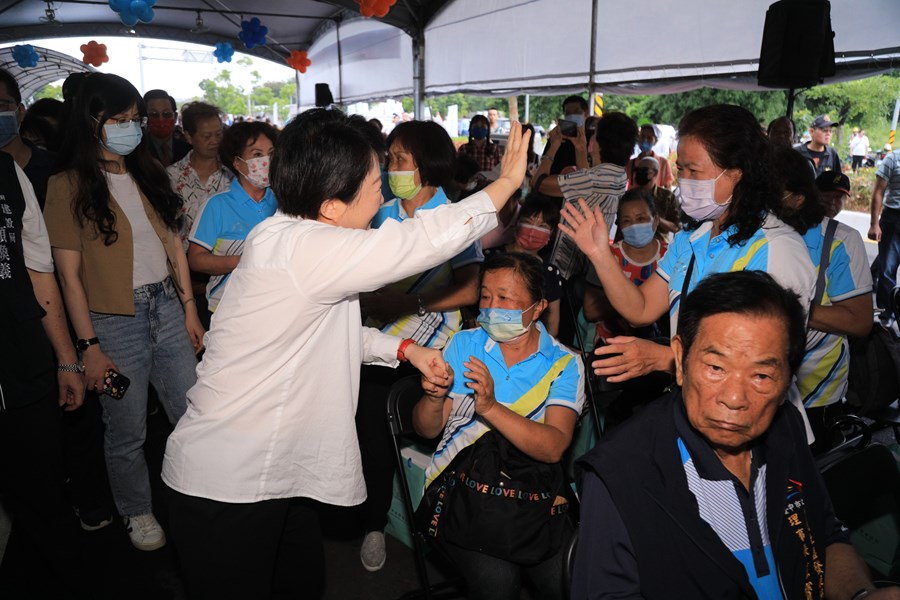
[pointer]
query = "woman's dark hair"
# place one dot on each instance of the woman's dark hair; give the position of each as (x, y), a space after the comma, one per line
(538, 204)
(377, 140)
(239, 136)
(431, 149)
(320, 155)
(616, 136)
(733, 139)
(637, 195)
(42, 122)
(751, 293)
(194, 112)
(101, 96)
(532, 155)
(796, 175)
(526, 266)
(8, 81)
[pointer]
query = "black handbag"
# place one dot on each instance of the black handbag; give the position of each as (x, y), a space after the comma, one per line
(494, 499)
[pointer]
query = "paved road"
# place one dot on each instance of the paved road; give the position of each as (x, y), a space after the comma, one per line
(860, 222)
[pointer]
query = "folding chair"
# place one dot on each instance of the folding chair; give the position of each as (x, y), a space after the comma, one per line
(402, 397)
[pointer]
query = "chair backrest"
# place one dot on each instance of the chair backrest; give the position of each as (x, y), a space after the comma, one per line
(401, 399)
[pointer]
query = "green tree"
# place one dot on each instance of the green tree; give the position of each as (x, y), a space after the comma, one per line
(863, 102)
(49, 91)
(221, 92)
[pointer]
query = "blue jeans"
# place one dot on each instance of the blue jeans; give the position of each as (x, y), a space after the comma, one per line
(889, 256)
(151, 347)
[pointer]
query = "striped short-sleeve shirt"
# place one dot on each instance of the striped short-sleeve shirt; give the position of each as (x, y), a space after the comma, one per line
(822, 377)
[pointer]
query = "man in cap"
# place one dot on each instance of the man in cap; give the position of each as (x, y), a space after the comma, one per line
(818, 150)
(835, 188)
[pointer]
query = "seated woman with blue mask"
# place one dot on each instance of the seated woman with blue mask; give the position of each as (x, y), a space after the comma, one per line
(513, 378)
(638, 251)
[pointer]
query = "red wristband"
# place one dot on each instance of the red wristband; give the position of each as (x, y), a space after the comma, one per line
(402, 349)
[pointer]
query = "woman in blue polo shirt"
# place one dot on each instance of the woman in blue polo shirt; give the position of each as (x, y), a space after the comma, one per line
(217, 237)
(729, 191)
(511, 376)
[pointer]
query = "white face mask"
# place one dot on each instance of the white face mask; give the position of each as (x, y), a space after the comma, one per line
(698, 198)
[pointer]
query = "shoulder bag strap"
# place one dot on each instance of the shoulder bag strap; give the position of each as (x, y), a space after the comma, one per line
(824, 261)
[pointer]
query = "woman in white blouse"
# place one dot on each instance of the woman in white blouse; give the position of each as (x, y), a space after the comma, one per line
(269, 429)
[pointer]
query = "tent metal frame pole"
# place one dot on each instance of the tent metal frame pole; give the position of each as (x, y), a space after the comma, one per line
(340, 101)
(791, 96)
(592, 85)
(418, 42)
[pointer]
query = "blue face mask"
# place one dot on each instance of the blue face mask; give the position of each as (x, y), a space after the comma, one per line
(122, 141)
(639, 234)
(479, 133)
(577, 119)
(9, 127)
(645, 146)
(503, 324)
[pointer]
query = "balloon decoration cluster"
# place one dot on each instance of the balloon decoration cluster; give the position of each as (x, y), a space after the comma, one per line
(298, 60)
(25, 56)
(253, 33)
(132, 11)
(94, 53)
(223, 52)
(375, 8)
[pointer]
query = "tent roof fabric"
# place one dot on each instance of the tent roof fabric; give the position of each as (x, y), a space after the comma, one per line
(52, 66)
(492, 47)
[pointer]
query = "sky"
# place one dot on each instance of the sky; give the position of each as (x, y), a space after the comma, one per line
(160, 57)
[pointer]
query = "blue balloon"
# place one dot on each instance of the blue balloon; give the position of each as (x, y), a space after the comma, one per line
(223, 52)
(132, 11)
(25, 56)
(253, 33)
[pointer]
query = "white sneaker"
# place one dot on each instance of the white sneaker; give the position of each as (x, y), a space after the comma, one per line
(145, 532)
(373, 554)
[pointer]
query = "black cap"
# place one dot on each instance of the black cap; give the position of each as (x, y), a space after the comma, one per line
(823, 121)
(833, 181)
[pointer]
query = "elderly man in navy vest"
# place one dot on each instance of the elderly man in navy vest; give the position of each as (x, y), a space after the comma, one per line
(711, 492)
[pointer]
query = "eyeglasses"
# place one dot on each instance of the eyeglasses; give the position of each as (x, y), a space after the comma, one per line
(162, 115)
(126, 123)
(8, 105)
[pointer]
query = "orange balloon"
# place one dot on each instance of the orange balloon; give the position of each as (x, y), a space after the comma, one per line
(94, 53)
(298, 60)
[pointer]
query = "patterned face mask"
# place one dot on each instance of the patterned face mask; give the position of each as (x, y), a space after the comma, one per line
(258, 171)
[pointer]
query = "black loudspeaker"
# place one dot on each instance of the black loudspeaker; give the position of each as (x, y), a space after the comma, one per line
(323, 95)
(798, 44)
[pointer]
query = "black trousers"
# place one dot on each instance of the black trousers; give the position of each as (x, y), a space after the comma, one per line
(260, 550)
(375, 446)
(32, 480)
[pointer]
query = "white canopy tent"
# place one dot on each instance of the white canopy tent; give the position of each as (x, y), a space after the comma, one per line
(495, 47)
(504, 47)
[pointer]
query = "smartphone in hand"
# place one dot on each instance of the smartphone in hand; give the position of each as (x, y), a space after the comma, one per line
(115, 384)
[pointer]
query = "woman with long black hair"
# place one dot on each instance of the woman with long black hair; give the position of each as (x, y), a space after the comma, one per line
(112, 217)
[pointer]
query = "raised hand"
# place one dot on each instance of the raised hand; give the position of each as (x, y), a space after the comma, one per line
(586, 227)
(513, 166)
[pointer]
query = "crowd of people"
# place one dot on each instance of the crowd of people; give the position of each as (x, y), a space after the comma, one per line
(266, 289)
